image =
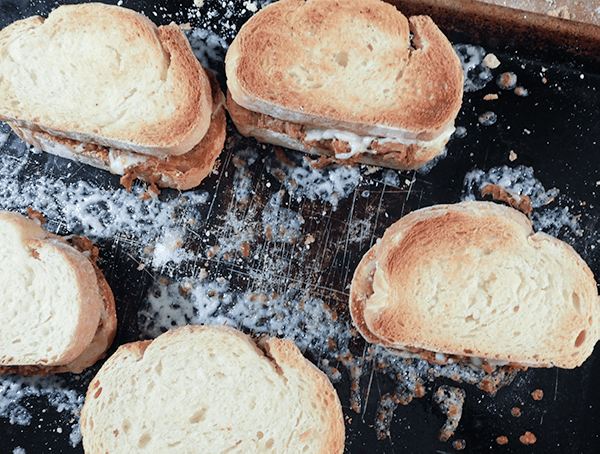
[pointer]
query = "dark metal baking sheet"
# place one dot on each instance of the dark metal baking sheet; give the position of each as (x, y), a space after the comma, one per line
(553, 134)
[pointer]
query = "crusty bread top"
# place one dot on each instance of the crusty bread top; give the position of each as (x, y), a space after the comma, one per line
(211, 389)
(106, 75)
(51, 300)
(347, 64)
(474, 279)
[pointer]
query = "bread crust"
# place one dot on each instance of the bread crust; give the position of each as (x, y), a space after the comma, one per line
(180, 172)
(292, 61)
(104, 75)
(409, 289)
(281, 358)
(96, 327)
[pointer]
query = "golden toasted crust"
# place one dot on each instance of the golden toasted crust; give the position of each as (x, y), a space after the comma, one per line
(105, 75)
(179, 172)
(346, 65)
(473, 279)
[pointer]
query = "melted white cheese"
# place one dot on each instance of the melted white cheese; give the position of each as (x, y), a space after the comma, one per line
(121, 160)
(361, 144)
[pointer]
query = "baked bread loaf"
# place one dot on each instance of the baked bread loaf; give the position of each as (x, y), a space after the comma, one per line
(472, 281)
(351, 79)
(103, 85)
(211, 389)
(58, 310)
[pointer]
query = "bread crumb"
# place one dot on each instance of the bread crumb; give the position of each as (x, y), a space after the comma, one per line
(459, 445)
(502, 440)
(491, 61)
(516, 412)
(521, 91)
(245, 248)
(309, 239)
(507, 80)
(562, 12)
(487, 118)
(490, 97)
(538, 394)
(527, 438)
(512, 155)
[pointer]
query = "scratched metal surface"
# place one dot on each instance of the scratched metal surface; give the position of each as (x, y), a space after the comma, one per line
(554, 131)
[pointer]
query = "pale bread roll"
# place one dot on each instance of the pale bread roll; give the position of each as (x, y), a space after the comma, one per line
(59, 312)
(211, 389)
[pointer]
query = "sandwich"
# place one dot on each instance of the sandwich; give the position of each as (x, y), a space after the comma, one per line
(471, 282)
(211, 389)
(58, 310)
(353, 80)
(103, 85)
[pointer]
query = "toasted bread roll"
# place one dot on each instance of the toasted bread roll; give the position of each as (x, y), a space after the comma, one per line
(473, 280)
(103, 85)
(344, 78)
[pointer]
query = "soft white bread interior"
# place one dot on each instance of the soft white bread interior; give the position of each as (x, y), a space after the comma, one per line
(473, 280)
(58, 311)
(211, 389)
(341, 65)
(105, 75)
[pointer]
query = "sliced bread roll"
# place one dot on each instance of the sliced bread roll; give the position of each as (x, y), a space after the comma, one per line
(105, 75)
(211, 389)
(352, 79)
(472, 280)
(58, 310)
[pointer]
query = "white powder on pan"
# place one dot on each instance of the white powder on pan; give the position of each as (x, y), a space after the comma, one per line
(16, 390)
(522, 181)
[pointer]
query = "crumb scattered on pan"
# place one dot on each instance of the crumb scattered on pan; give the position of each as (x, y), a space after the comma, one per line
(502, 440)
(521, 91)
(245, 248)
(459, 445)
(491, 61)
(507, 80)
(451, 401)
(538, 394)
(527, 438)
(516, 412)
(487, 118)
(512, 156)
(490, 97)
